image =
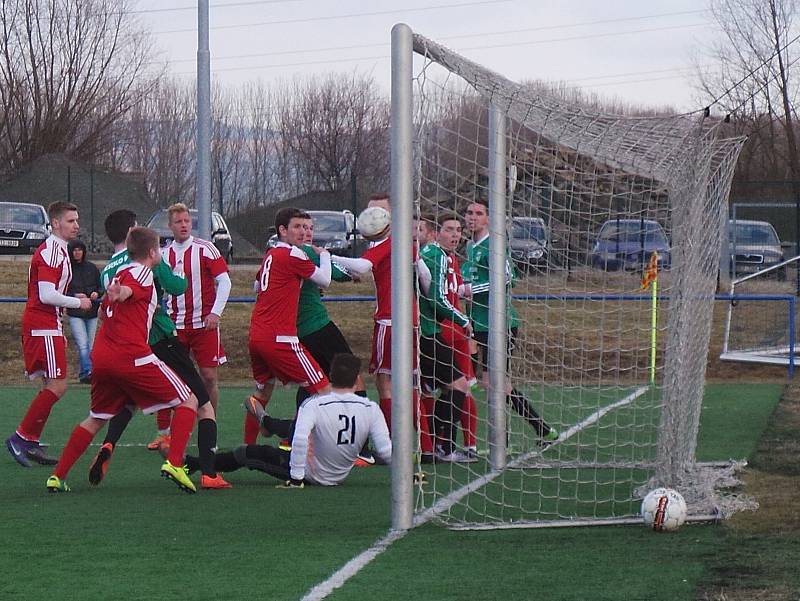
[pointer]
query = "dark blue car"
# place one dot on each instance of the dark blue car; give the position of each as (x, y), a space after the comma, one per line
(628, 244)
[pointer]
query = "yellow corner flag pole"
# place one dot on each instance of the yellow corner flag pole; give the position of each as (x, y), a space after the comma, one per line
(653, 329)
(650, 280)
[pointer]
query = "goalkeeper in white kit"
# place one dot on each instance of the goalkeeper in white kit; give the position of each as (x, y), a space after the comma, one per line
(335, 425)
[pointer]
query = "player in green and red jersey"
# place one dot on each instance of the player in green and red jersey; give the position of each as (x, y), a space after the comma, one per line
(438, 363)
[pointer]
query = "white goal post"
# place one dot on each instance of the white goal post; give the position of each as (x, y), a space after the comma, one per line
(617, 373)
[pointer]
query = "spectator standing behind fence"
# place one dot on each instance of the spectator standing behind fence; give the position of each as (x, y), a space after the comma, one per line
(83, 323)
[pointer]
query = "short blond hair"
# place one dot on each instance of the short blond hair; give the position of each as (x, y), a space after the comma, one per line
(176, 208)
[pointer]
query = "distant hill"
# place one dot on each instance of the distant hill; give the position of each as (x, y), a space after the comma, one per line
(255, 224)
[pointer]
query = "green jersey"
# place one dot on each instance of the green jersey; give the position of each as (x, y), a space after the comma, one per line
(434, 306)
(476, 273)
(163, 278)
(311, 312)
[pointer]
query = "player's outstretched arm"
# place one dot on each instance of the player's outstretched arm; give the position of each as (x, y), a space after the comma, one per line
(118, 293)
(170, 282)
(357, 266)
(322, 274)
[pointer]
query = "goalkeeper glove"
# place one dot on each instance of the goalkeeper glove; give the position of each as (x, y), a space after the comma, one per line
(292, 483)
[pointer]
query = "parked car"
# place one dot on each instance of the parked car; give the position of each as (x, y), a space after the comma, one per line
(628, 244)
(755, 246)
(529, 239)
(23, 227)
(220, 234)
(335, 231)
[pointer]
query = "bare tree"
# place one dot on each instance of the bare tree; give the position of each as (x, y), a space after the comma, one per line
(753, 82)
(263, 154)
(157, 139)
(331, 129)
(68, 70)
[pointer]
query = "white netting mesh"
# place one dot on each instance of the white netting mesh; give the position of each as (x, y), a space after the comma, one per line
(759, 326)
(590, 198)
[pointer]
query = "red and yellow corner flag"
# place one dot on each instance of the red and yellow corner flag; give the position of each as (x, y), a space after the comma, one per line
(650, 274)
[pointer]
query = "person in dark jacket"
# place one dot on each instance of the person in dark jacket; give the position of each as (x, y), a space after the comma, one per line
(86, 281)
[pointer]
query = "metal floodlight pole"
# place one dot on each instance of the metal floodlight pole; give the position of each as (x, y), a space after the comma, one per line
(498, 295)
(203, 173)
(402, 195)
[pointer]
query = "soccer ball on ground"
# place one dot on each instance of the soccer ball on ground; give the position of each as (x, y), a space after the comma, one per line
(373, 222)
(664, 510)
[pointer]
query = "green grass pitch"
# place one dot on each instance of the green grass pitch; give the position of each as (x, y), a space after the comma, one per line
(137, 537)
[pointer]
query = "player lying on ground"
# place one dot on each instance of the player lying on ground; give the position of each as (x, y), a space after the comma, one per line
(335, 425)
(164, 342)
(126, 372)
(319, 334)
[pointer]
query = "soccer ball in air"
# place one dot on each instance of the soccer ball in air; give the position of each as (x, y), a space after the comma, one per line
(373, 222)
(664, 510)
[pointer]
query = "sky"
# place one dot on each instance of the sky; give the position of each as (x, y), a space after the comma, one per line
(642, 53)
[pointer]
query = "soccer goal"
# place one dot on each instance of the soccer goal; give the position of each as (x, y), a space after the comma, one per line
(761, 318)
(579, 203)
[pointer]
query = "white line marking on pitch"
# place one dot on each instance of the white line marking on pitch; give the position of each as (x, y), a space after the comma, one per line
(360, 561)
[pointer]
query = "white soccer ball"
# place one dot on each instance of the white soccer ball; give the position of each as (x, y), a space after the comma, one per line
(373, 222)
(664, 509)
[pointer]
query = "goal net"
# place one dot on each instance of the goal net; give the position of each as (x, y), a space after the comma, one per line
(602, 390)
(761, 318)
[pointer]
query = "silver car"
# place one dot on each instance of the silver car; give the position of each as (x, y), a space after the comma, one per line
(529, 239)
(23, 227)
(755, 246)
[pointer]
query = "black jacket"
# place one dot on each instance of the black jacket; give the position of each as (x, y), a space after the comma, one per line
(85, 279)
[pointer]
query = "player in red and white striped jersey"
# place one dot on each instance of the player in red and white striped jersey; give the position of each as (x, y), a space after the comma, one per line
(197, 311)
(43, 344)
(378, 260)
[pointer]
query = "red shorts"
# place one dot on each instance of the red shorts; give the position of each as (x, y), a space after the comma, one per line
(151, 386)
(205, 346)
(286, 360)
(381, 360)
(45, 356)
(453, 335)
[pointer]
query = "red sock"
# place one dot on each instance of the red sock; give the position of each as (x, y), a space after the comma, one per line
(386, 407)
(31, 426)
(76, 446)
(469, 421)
(180, 431)
(426, 410)
(163, 418)
(251, 425)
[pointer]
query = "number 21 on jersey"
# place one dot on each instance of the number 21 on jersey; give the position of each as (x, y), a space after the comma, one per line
(347, 433)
